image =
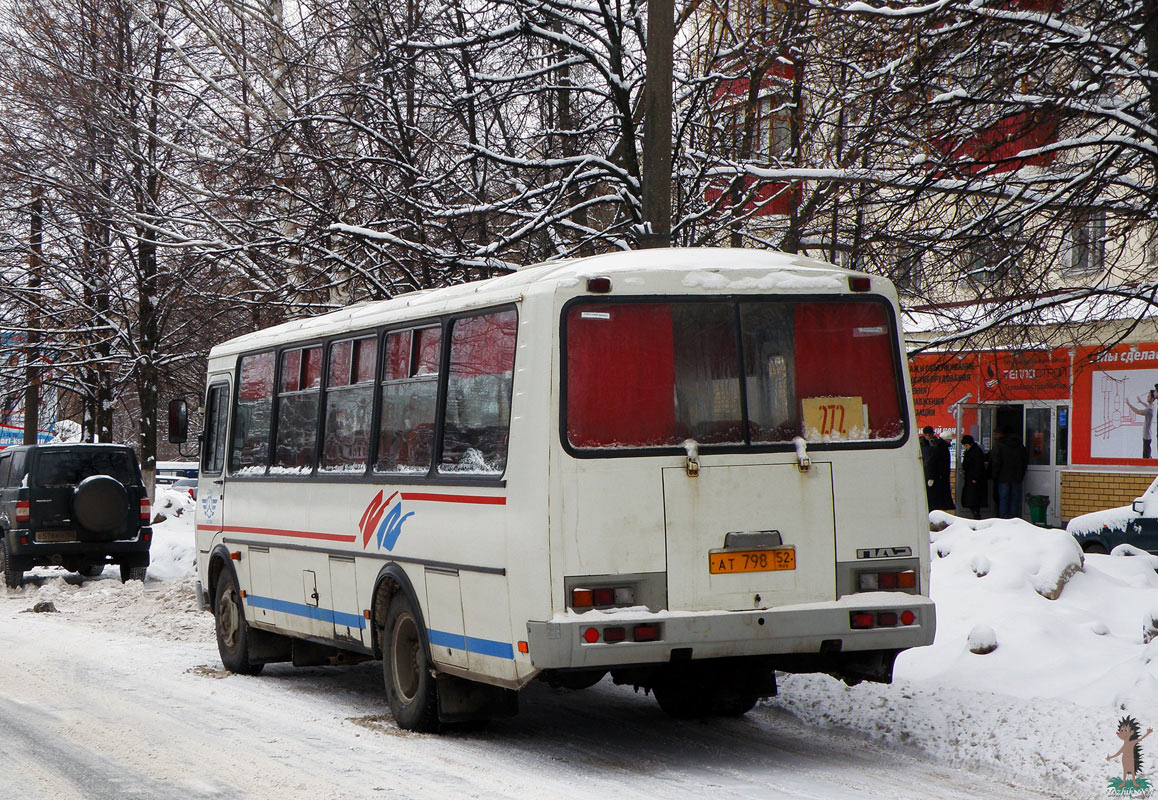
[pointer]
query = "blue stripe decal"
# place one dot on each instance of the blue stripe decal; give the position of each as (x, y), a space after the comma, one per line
(456, 641)
(303, 610)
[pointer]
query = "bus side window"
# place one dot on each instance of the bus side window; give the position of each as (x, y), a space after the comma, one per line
(478, 393)
(250, 451)
(297, 411)
(213, 452)
(409, 400)
(349, 403)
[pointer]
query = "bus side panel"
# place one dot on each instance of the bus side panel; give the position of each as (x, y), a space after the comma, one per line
(488, 625)
(525, 545)
(613, 520)
(444, 624)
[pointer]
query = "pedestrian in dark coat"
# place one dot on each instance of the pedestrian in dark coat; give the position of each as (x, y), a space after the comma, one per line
(935, 453)
(1008, 461)
(974, 477)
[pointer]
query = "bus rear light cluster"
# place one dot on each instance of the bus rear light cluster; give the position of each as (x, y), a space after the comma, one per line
(614, 634)
(603, 597)
(885, 581)
(23, 511)
(862, 620)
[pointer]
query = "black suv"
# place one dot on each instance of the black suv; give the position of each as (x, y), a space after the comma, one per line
(79, 506)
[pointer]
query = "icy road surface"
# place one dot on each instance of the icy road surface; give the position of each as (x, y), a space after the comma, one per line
(121, 695)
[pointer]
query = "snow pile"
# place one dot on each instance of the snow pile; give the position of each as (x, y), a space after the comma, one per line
(173, 553)
(1010, 554)
(1044, 702)
(172, 504)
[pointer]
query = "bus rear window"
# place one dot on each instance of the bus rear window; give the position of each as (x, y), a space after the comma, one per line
(643, 375)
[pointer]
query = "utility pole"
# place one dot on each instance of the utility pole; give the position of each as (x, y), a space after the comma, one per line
(32, 356)
(657, 103)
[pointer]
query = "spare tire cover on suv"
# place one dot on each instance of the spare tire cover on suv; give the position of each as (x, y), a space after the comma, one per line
(100, 504)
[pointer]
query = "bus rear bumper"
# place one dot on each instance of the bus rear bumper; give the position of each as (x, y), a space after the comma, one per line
(578, 641)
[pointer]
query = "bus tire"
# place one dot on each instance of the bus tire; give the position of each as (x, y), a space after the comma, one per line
(677, 702)
(232, 629)
(411, 688)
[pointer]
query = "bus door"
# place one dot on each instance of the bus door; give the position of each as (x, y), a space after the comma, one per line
(211, 478)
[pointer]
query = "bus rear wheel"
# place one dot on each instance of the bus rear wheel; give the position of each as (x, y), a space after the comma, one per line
(411, 688)
(232, 629)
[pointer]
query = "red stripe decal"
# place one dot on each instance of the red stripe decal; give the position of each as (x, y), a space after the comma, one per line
(456, 498)
(329, 537)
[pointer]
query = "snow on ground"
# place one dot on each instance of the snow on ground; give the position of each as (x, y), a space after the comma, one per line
(1045, 702)
(1043, 705)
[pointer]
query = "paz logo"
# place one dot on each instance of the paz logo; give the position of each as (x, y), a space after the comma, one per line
(1131, 784)
(209, 506)
(383, 521)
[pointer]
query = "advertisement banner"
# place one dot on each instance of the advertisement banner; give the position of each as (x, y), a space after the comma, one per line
(1115, 404)
(941, 380)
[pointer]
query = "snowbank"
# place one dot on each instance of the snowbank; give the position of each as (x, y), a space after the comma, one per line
(1044, 702)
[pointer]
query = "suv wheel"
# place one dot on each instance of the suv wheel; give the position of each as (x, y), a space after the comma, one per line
(13, 569)
(100, 504)
(93, 570)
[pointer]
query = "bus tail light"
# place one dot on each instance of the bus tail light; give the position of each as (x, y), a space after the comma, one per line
(23, 511)
(602, 597)
(146, 510)
(860, 619)
(886, 581)
(645, 633)
(863, 620)
(614, 634)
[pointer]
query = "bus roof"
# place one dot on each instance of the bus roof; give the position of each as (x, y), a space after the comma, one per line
(696, 268)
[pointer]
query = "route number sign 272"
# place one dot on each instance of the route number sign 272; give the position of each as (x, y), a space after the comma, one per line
(833, 416)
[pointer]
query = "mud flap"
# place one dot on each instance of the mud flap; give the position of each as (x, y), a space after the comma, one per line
(268, 648)
(460, 700)
(869, 665)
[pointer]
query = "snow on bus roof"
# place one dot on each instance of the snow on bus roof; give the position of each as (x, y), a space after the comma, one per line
(704, 268)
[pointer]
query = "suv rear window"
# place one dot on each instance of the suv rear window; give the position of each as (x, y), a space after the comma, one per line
(732, 372)
(70, 467)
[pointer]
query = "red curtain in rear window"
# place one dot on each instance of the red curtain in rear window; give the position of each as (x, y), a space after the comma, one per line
(846, 350)
(620, 375)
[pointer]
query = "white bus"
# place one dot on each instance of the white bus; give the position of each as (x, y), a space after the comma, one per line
(684, 468)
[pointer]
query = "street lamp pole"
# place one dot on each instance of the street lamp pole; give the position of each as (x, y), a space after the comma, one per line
(657, 113)
(32, 368)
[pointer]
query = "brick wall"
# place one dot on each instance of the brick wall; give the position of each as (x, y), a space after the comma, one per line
(1082, 492)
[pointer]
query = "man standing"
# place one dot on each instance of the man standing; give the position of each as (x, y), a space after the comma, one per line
(935, 454)
(1008, 461)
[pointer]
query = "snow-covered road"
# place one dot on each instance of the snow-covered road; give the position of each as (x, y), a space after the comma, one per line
(121, 695)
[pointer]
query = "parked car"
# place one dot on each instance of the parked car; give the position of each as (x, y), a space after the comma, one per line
(1135, 524)
(78, 506)
(170, 471)
(186, 485)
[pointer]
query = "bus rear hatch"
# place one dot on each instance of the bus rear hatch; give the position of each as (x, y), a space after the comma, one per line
(747, 537)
